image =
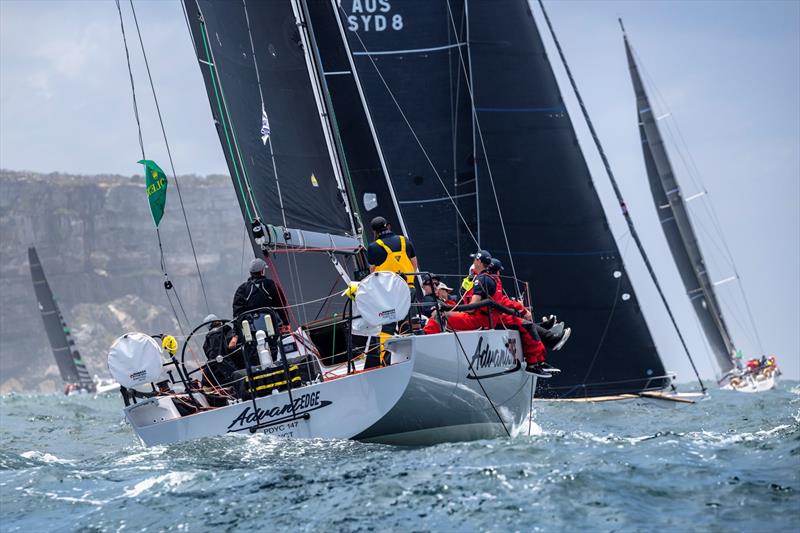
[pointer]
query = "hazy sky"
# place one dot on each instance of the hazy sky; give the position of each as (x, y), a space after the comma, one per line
(729, 72)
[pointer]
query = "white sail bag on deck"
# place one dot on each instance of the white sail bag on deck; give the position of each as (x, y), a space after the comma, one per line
(135, 359)
(383, 298)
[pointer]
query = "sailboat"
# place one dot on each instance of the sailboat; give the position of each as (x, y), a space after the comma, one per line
(480, 148)
(71, 366)
(673, 213)
(306, 164)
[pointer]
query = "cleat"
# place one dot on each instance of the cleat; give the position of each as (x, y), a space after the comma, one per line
(564, 339)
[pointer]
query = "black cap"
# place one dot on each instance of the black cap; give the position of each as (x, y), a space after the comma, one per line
(496, 265)
(483, 256)
(378, 224)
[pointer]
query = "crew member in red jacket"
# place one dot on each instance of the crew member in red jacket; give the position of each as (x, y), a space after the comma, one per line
(485, 287)
(550, 331)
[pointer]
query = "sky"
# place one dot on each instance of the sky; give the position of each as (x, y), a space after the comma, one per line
(727, 73)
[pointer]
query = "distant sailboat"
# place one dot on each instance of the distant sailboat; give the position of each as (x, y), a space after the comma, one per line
(70, 364)
(684, 245)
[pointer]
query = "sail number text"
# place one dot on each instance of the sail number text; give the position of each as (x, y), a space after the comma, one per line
(373, 15)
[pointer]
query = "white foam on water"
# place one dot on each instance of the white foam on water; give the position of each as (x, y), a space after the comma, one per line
(710, 437)
(45, 457)
(170, 480)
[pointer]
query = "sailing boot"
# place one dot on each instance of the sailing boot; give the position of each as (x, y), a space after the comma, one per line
(564, 338)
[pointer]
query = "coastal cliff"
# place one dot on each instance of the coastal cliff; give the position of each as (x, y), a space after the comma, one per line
(97, 242)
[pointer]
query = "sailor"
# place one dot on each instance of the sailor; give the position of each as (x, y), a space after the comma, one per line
(429, 295)
(485, 287)
(443, 293)
(552, 333)
(259, 291)
(389, 253)
(220, 340)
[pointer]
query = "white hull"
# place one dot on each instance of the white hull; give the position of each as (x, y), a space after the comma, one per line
(751, 384)
(427, 395)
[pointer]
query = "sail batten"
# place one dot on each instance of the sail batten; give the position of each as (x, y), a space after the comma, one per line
(677, 224)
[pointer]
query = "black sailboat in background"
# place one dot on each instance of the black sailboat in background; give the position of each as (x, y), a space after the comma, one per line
(70, 365)
(482, 153)
(676, 222)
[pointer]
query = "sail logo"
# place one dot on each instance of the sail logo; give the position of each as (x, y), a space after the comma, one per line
(373, 15)
(388, 314)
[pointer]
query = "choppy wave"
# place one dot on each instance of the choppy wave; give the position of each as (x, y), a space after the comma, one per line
(728, 461)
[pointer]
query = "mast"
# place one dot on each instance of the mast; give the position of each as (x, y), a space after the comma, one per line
(364, 166)
(677, 224)
(70, 365)
(314, 70)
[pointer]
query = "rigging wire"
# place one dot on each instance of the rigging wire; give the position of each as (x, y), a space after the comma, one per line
(261, 96)
(483, 148)
(413, 132)
(167, 283)
(169, 154)
(225, 118)
(618, 192)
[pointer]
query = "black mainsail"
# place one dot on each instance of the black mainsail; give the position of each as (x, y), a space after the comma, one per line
(406, 55)
(273, 119)
(677, 225)
(70, 365)
(469, 115)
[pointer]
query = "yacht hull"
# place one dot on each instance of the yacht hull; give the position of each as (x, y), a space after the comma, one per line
(432, 392)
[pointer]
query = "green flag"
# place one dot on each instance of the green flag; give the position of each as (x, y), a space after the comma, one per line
(156, 183)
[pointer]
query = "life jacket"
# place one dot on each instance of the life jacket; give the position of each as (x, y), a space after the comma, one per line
(396, 262)
(502, 297)
(497, 296)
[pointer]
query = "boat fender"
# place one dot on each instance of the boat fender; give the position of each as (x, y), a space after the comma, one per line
(248, 336)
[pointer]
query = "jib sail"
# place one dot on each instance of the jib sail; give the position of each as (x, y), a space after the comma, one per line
(70, 365)
(677, 225)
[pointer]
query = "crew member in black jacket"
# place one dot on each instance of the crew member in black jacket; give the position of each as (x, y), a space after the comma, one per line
(259, 291)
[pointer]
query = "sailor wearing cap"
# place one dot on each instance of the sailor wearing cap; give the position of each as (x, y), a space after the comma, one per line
(259, 291)
(391, 252)
(486, 287)
(483, 288)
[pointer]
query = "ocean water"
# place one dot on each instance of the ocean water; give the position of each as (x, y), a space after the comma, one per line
(731, 462)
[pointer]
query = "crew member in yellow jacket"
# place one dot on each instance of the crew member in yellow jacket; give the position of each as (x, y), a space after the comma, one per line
(390, 253)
